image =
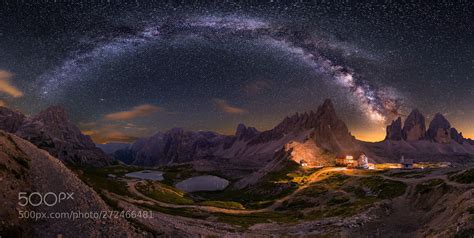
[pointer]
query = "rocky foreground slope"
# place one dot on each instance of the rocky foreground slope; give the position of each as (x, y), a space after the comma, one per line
(52, 131)
(25, 168)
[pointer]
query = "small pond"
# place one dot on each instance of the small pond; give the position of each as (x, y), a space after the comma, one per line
(147, 174)
(203, 183)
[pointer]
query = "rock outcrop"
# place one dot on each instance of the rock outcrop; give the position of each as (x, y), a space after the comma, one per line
(456, 136)
(330, 132)
(439, 129)
(52, 131)
(414, 127)
(394, 130)
(10, 120)
(25, 168)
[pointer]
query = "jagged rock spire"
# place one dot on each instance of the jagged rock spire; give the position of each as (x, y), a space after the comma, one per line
(414, 127)
(394, 130)
(439, 130)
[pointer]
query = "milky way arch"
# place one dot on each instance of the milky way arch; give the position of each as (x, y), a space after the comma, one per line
(376, 102)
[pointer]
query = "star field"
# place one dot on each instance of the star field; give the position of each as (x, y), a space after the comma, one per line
(128, 69)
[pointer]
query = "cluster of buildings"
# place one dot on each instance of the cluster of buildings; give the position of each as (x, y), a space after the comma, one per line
(355, 160)
(361, 161)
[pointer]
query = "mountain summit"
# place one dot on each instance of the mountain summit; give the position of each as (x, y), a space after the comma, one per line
(248, 145)
(52, 131)
(414, 129)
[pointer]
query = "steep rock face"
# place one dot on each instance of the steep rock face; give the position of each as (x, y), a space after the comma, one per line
(456, 136)
(51, 130)
(330, 133)
(439, 129)
(394, 130)
(414, 127)
(10, 120)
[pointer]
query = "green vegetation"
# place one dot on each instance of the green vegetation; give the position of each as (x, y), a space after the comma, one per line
(467, 233)
(223, 204)
(164, 193)
(22, 161)
(411, 174)
(336, 200)
(383, 188)
(464, 177)
(173, 174)
(341, 195)
(3, 167)
(471, 210)
(98, 178)
(429, 185)
(272, 186)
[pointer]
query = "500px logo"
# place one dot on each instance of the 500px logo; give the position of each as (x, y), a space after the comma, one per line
(37, 199)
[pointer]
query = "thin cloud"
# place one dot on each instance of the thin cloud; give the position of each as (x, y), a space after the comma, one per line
(256, 87)
(7, 87)
(101, 137)
(138, 111)
(3, 103)
(227, 108)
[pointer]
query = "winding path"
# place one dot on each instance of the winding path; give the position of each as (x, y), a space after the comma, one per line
(314, 177)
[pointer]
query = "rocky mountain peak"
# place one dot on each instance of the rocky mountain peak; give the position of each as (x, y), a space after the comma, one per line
(244, 132)
(327, 109)
(51, 130)
(52, 115)
(414, 127)
(439, 129)
(394, 130)
(330, 132)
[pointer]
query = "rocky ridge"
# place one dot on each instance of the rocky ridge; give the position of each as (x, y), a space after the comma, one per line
(323, 127)
(52, 131)
(414, 129)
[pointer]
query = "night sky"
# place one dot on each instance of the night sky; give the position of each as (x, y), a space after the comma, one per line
(129, 69)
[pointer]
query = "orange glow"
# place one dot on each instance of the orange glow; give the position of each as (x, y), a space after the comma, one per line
(370, 135)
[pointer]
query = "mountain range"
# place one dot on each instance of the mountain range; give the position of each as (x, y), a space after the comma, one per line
(315, 133)
(319, 132)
